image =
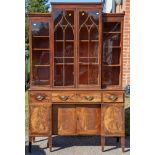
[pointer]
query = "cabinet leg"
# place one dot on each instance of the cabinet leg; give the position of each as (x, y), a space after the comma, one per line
(117, 139)
(102, 142)
(50, 143)
(30, 144)
(33, 139)
(123, 143)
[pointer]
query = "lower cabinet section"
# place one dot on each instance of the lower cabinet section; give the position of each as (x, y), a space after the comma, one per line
(40, 119)
(76, 119)
(112, 120)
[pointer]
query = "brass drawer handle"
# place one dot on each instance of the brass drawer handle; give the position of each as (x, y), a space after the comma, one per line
(64, 98)
(40, 97)
(89, 98)
(113, 98)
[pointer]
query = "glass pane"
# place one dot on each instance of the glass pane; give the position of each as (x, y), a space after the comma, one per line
(69, 49)
(83, 49)
(40, 42)
(58, 49)
(40, 58)
(111, 40)
(93, 50)
(93, 74)
(94, 14)
(110, 76)
(41, 75)
(69, 60)
(83, 16)
(69, 33)
(85, 60)
(58, 33)
(40, 28)
(111, 27)
(69, 75)
(58, 60)
(58, 75)
(111, 56)
(57, 16)
(83, 33)
(83, 74)
(70, 17)
(94, 33)
(93, 60)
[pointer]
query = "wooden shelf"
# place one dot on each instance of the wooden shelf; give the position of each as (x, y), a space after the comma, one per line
(118, 65)
(40, 36)
(64, 40)
(89, 40)
(64, 63)
(112, 32)
(88, 57)
(113, 47)
(90, 63)
(41, 65)
(40, 49)
(62, 57)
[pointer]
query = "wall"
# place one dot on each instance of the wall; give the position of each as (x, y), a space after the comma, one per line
(126, 44)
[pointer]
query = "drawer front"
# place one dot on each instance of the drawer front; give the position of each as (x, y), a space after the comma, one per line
(89, 97)
(39, 96)
(64, 97)
(113, 96)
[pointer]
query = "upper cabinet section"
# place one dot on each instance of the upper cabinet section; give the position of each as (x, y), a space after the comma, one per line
(76, 46)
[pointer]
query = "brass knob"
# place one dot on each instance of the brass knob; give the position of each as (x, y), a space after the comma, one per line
(113, 98)
(40, 97)
(63, 98)
(89, 98)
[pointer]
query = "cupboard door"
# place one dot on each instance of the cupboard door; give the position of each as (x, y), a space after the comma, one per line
(112, 54)
(89, 47)
(65, 119)
(40, 119)
(88, 119)
(64, 47)
(40, 51)
(112, 120)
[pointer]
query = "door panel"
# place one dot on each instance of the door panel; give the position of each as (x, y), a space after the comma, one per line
(40, 119)
(88, 119)
(112, 120)
(64, 118)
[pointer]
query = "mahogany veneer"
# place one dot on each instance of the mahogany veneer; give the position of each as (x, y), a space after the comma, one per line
(76, 73)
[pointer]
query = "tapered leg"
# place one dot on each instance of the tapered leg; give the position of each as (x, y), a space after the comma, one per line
(123, 143)
(33, 139)
(117, 139)
(30, 144)
(102, 142)
(50, 143)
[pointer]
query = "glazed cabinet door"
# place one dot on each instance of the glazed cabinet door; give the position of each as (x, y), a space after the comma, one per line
(40, 119)
(112, 120)
(112, 52)
(40, 50)
(89, 46)
(88, 119)
(64, 48)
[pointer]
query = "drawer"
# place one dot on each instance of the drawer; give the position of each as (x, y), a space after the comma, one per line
(113, 96)
(89, 97)
(64, 97)
(39, 96)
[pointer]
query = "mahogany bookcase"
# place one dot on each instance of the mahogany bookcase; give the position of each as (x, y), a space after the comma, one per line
(76, 73)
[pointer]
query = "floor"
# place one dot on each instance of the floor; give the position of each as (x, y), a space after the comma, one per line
(79, 145)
